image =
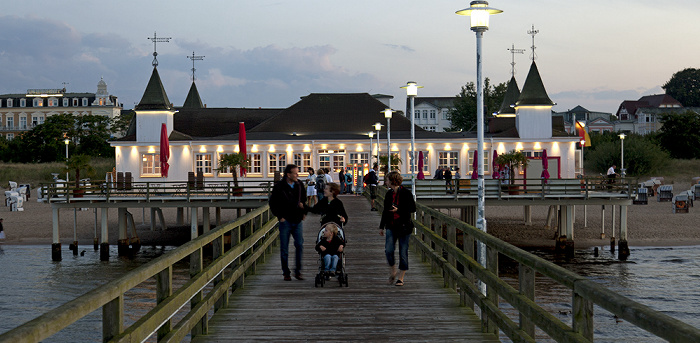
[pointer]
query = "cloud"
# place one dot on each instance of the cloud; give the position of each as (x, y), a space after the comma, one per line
(400, 47)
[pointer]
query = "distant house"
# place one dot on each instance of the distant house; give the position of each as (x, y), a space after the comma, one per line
(642, 116)
(593, 121)
(22, 112)
(431, 113)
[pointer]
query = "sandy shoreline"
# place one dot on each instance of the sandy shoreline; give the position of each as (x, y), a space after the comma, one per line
(649, 225)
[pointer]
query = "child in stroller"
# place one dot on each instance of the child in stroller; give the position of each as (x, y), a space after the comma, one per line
(330, 244)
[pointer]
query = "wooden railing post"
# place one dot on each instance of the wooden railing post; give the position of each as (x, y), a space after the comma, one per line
(164, 289)
(526, 280)
(491, 294)
(452, 239)
(582, 313)
(113, 318)
(196, 265)
(218, 251)
(235, 240)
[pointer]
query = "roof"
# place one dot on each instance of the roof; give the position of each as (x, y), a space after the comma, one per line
(436, 101)
(193, 99)
(579, 109)
(657, 100)
(533, 92)
(154, 97)
(505, 127)
(510, 98)
(219, 123)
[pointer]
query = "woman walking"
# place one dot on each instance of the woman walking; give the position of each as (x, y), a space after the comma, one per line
(311, 187)
(396, 219)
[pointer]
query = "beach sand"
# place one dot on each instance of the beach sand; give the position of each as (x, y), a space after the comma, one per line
(654, 224)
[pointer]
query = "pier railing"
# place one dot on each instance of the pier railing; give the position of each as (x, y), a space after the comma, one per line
(236, 248)
(148, 191)
(449, 245)
(583, 188)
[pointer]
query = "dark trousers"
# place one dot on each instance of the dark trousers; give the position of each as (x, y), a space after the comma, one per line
(295, 230)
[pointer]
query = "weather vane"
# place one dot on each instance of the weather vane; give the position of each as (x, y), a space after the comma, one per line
(514, 51)
(195, 58)
(155, 40)
(533, 32)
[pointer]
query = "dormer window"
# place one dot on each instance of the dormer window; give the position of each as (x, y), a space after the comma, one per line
(22, 102)
(38, 102)
(53, 102)
(65, 102)
(75, 102)
(85, 102)
(9, 102)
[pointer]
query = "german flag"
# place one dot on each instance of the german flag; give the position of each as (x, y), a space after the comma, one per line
(583, 134)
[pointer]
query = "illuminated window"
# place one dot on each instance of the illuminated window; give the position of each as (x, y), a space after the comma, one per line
(277, 161)
(38, 102)
(359, 158)
(449, 159)
(302, 160)
(150, 165)
(255, 166)
(53, 102)
(226, 170)
(426, 167)
(487, 164)
(203, 163)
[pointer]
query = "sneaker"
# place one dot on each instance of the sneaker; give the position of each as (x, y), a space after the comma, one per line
(298, 276)
(287, 277)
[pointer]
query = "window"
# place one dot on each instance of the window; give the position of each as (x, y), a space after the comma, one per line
(255, 165)
(203, 163)
(35, 121)
(226, 170)
(22, 102)
(449, 159)
(85, 103)
(65, 102)
(9, 102)
(23, 122)
(75, 102)
(10, 122)
(426, 168)
(150, 165)
(394, 161)
(359, 158)
(10, 136)
(53, 102)
(487, 164)
(444, 114)
(425, 114)
(536, 154)
(429, 128)
(433, 114)
(417, 114)
(303, 161)
(38, 102)
(277, 161)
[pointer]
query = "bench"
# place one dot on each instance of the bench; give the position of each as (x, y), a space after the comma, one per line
(665, 193)
(563, 187)
(681, 203)
(641, 198)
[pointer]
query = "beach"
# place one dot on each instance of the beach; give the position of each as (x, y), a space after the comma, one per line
(654, 224)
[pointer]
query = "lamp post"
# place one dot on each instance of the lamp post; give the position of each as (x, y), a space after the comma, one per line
(479, 13)
(377, 127)
(411, 92)
(370, 134)
(66, 141)
(622, 155)
(387, 114)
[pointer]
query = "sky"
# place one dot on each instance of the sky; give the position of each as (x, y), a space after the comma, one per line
(269, 53)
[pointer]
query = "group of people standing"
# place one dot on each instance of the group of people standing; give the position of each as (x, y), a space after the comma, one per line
(288, 202)
(317, 181)
(445, 173)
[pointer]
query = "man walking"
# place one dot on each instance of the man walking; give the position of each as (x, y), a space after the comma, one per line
(372, 182)
(287, 204)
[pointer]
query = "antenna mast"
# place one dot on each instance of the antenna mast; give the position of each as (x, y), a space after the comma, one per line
(155, 40)
(533, 32)
(514, 51)
(195, 58)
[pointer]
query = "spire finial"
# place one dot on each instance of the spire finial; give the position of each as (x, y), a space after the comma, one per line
(514, 51)
(195, 58)
(533, 32)
(155, 40)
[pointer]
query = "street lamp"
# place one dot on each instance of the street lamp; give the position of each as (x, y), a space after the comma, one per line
(66, 141)
(411, 92)
(370, 134)
(387, 114)
(622, 154)
(479, 13)
(377, 127)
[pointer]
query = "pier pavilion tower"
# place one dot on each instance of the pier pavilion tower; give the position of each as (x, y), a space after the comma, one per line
(533, 110)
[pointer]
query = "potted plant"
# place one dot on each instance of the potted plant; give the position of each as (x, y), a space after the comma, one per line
(78, 163)
(232, 163)
(384, 166)
(513, 160)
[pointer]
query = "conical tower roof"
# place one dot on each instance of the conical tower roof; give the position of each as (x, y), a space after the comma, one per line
(510, 98)
(193, 100)
(533, 93)
(154, 98)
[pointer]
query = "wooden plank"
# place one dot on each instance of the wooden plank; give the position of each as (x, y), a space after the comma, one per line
(269, 308)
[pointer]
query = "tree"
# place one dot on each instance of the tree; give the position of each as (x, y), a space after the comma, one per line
(78, 163)
(680, 134)
(513, 159)
(642, 155)
(684, 86)
(395, 161)
(229, 162)
(463, 115)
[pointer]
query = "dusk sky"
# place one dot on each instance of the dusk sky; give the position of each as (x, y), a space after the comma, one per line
(267, 53)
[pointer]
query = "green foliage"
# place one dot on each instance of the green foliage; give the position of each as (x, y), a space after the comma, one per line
(121, 123)
(642, 155)
(463, 115)
(78, 163)
(36, 173)
(684, 86)
(395, 162)
(680, 135)
(230, 162)
(513, 159)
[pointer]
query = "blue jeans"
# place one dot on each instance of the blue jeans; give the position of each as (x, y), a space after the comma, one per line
(296, 231)
(330, 262)
(390, 246)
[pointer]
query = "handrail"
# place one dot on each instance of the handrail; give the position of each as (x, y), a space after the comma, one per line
(436, 239)
(251, 238)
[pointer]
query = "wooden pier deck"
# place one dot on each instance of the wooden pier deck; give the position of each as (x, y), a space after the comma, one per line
(269, 308)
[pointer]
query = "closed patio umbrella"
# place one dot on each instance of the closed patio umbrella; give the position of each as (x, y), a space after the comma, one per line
(475, 166)
(545, 165)
(494, 166)
(242, 144)
(164, 151)
(421, 176)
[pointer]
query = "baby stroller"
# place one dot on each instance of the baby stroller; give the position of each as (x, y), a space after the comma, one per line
(320, 279)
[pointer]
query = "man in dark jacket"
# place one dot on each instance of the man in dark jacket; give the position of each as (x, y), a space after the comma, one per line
(287, 204)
